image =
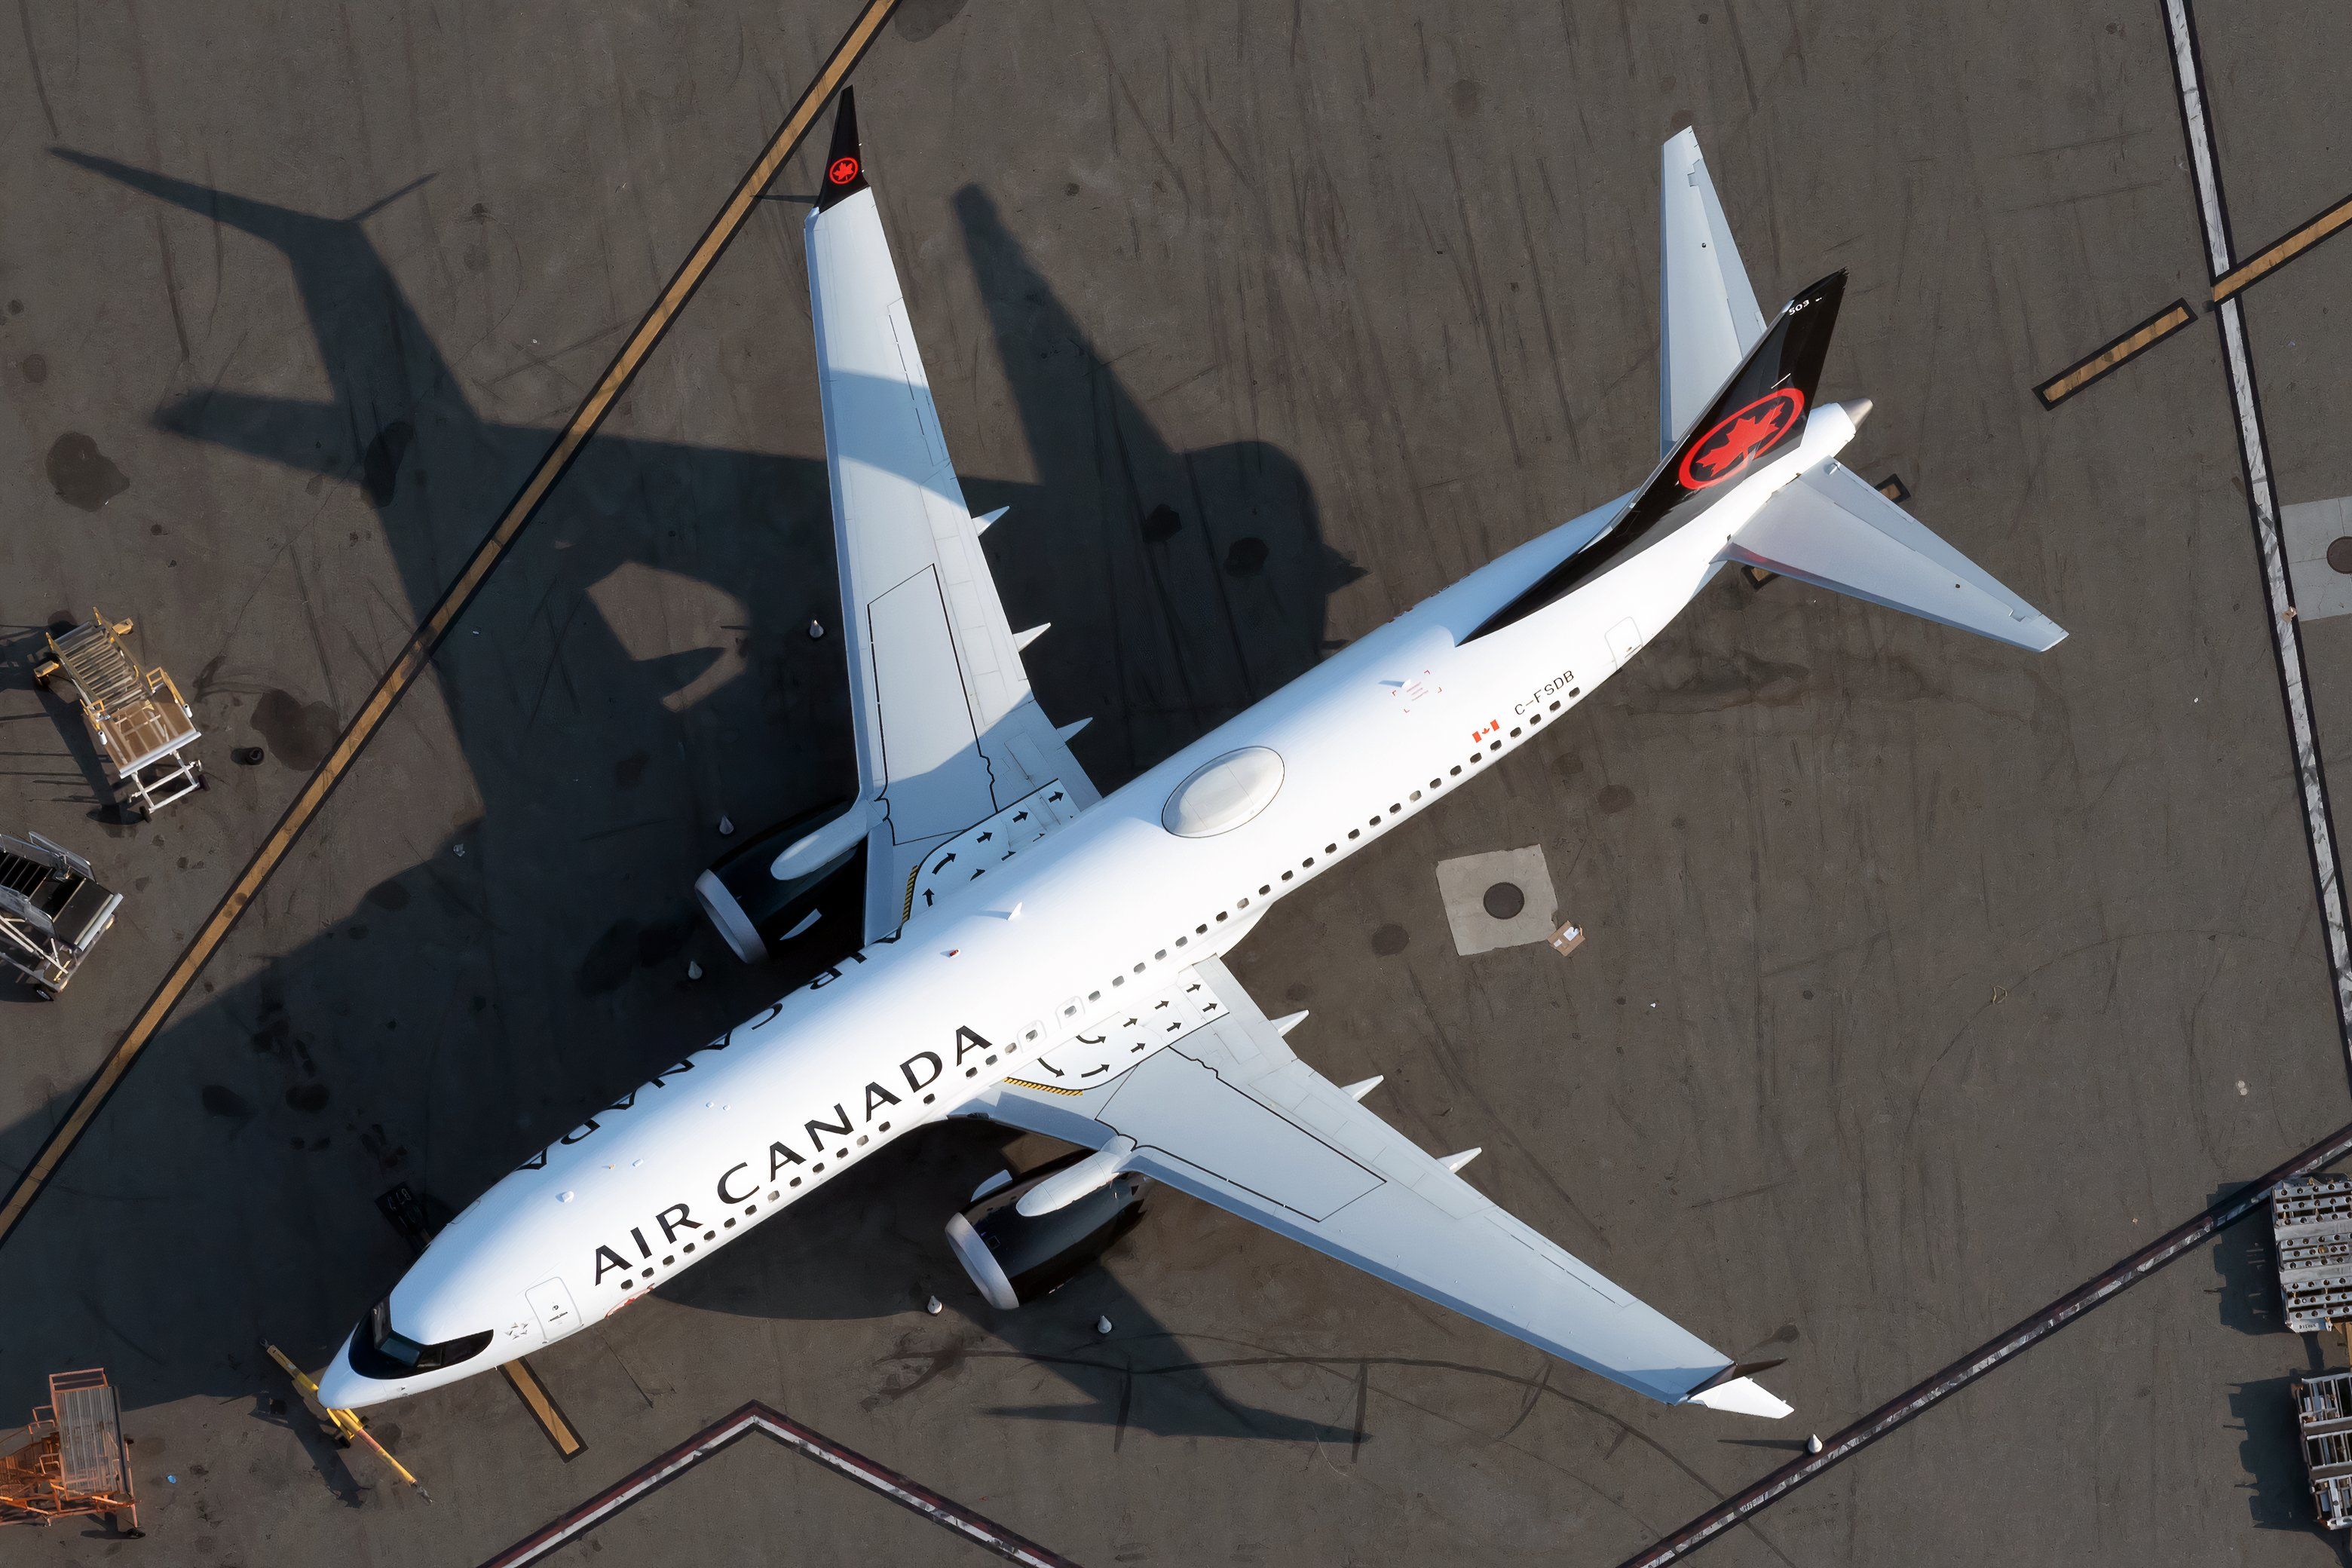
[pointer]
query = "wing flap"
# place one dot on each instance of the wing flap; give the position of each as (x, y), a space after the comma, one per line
(1191, 1127)
(929, 750)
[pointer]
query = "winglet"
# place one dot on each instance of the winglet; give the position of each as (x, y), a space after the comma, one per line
(1735, 1389)
(1745, 1397)
(844, 166)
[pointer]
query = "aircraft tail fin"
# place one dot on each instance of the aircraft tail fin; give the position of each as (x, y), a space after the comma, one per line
(1756, 416)
(1832, 529)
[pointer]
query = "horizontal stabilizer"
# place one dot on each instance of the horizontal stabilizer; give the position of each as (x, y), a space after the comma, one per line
(1707, 318)
(1832, 530)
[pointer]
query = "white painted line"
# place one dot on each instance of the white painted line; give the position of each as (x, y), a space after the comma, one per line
(2189, 75)
(2287, 640)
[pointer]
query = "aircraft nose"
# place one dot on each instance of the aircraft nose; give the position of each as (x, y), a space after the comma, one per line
(341, 1387)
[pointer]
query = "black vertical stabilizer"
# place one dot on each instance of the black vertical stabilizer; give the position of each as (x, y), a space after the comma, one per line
(845, 165)
(1759, 413)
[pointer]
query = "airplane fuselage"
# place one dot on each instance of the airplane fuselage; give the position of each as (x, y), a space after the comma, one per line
(1046, 943)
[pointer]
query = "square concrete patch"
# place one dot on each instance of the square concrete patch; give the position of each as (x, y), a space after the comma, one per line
(1463, 883)
(2310, 527)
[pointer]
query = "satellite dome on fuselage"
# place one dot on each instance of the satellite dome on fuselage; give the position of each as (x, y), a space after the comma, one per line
(1221, 795)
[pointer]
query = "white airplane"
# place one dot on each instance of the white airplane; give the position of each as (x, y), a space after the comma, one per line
(1050, 960)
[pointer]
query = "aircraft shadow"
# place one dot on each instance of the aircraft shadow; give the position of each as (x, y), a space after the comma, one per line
(1135, 1379)
(530, 960)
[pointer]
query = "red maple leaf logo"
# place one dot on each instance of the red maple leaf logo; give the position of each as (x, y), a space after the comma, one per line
(1747, 432)
(1739, 438)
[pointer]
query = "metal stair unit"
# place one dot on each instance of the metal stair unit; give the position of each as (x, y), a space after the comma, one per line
(52, 912)
(2311, 1237)
(142, 726)
(2323, 1409)
(73, 1460)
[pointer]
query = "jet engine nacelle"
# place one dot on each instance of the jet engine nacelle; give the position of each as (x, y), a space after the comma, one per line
(1015, 1258)
(766, 892)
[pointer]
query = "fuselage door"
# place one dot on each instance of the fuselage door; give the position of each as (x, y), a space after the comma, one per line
(552, 1302)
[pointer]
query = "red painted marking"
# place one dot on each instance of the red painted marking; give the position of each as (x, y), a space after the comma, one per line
(843, 171)
(1737, 439)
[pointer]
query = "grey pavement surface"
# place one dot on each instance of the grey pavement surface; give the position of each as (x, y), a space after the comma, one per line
(1266, 321)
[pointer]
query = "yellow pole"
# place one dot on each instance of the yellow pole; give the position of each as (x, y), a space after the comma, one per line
(346, 1421)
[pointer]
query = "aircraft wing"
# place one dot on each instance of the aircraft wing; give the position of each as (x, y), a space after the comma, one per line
(948, 734)
(1200, 1082)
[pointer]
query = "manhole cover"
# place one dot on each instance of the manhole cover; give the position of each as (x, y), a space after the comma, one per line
(1504, 899)
(2340, 556)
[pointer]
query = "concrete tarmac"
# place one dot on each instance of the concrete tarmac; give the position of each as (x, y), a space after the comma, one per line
(1925, 979)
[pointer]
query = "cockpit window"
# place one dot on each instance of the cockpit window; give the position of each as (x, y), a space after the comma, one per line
(379, 1351)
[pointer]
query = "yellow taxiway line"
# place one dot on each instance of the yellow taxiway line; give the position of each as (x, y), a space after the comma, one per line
(543, 1409)
(2286, 250)
(2105, 360)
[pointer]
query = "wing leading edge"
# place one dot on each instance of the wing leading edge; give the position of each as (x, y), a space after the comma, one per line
(948, 732)
(1216, 1105)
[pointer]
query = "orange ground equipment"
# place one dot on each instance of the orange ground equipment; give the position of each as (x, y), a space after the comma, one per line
(72, 1460)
